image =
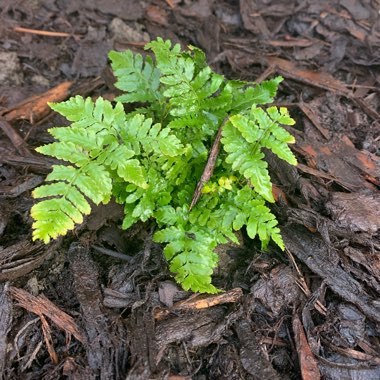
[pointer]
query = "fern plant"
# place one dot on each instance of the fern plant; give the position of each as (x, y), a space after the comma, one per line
(152, 159)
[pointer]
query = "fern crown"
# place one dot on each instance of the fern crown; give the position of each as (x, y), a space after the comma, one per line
(150, 160)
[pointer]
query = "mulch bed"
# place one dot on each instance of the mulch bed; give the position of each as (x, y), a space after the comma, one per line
(100, 303)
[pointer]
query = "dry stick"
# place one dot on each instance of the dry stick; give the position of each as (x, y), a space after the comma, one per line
(199, 302)
(32, 357)
(41, 306)
(303, 286)
(131, 43)
(8, 157)
(308, 362)
(36, 106)
(209, 168)
(48, 340)
(111, 253)
(16, 139)
(41, 32)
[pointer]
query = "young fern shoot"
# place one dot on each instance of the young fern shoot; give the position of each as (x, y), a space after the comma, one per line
(153, 160)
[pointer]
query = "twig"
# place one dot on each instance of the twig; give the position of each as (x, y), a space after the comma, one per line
(16, 139)
(303, 286)
(135, 43)
(170, 3)
(42, 32)
(48, 340)
(308, 362)
(201, 301)
(41, 306)
(209, 168)
(111, 253)
(35, 107)
(32, 357)
(21, 331)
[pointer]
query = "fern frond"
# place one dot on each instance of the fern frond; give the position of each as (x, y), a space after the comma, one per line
(64, 151)
(175, 170)
(196, 128)
(246, 157)
(191, 257)
(222, 102)
(139, 79)
(74, 108)
(264, 92)
(130, 170)
(144, 201)
(245, 136)
(85, 138)
(92, 180)
(166, 55)
(92, 136)
(54, 217)
(64, 189)
(187, 82)
(237, 208)
(259, 219)
(244, 97)
(67, 204)
(141, 135)
(279, 138)
(100, 116)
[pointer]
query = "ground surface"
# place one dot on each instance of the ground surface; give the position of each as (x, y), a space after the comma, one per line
(70, 310)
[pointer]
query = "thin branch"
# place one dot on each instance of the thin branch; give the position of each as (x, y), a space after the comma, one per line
(210, 165)
(42, 32)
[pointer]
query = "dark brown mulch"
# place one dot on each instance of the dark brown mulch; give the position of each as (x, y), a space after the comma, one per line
(100, 303)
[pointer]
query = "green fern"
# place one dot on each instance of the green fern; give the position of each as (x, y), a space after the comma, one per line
(138, 79)
(151, 159)
(245, 136)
